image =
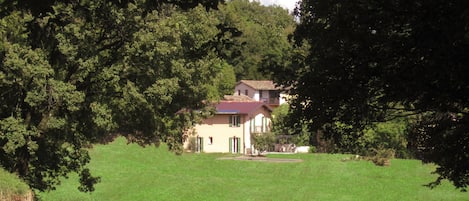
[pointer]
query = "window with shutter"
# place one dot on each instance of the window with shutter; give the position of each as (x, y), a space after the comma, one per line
(199, 144)
(235, 144)
(234, 121)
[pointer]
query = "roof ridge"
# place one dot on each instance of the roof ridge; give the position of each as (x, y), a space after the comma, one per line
(241, 107)
(260, 84)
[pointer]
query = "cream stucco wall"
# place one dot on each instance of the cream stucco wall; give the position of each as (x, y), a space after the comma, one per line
(217, 127)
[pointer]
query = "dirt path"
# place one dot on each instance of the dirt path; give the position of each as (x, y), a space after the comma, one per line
(262, 159)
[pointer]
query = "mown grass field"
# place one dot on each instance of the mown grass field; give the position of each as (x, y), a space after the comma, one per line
(130, 172)
(10, 184)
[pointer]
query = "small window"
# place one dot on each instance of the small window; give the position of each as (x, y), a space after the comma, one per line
(260, 94)
(239, 92)
(210, 140)
(246, 92)
(234, 120)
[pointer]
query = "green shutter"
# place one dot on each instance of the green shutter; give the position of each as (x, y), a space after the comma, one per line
(230, 120)
(239, 144)
(231, 144)
(201, 144)
(238, 120)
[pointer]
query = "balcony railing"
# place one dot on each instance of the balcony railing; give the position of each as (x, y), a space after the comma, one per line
(260, 129)
(272, 101)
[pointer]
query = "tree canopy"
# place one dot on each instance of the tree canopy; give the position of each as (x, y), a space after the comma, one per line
(263, 36)
(366, 60)
(74, 73)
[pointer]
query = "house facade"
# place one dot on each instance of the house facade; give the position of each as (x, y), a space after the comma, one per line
(261, 90)
(230, 129)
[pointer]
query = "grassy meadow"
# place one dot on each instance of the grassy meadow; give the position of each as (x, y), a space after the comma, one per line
(11, 185)
(129, 172)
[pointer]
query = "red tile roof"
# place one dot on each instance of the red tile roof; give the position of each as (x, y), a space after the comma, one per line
(233, 107)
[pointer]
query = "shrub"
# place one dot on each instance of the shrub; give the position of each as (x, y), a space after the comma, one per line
(174, 145)
(192, 144)
(382, 156)
(262, 141)
(312, 149)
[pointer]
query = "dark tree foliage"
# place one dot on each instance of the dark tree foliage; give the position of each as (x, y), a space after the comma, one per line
(263, 36)
(74, 73)
(369, 59)
(44, 6)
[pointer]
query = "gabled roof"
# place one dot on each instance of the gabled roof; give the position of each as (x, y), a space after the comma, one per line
(260, 84)
(236, 107)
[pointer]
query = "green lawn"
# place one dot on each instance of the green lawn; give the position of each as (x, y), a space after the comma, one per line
(10, 185)
(130, 172)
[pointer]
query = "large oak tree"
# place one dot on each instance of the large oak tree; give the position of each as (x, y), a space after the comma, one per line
(74, 73)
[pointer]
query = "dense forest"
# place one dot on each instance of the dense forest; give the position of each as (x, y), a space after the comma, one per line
(363, 75)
